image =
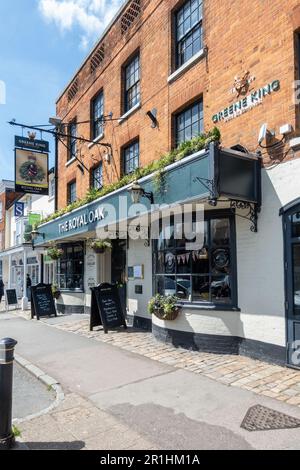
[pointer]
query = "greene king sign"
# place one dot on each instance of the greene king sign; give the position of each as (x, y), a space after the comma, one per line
(255, 98)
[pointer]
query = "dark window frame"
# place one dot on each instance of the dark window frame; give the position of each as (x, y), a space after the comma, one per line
(131, 102)
(94, 182)
(233, 305)
(72, 143)
(186, 109)
(181, 40)
(70, 262)
(126, 148)
(97, 126)
(71, 183)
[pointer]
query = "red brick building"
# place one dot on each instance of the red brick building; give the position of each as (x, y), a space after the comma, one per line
(162, 73)
(267, 51)
(7, 196)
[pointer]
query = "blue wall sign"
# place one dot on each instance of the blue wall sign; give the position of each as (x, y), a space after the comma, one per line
(19, 209)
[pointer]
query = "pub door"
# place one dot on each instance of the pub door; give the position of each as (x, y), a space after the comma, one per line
(292, 283)
(118, 269)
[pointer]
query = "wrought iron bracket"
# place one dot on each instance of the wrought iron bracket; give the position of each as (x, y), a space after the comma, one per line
(208, 184)
(252, 215)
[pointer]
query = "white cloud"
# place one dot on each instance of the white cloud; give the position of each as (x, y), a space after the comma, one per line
(91, 16)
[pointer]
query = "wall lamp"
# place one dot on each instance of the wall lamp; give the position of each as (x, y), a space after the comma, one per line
(137, 192)
(35, 234)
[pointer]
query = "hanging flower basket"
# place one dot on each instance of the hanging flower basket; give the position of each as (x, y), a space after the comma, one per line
(54, 253)
(100, 246)
(164, 308)
(170, 316)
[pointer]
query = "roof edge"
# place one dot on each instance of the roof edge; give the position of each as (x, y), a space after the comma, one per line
(104, 33)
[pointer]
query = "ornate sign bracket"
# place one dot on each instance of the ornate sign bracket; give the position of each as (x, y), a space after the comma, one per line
(252, 215)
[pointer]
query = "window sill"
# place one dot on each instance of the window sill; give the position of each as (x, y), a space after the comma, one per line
(95, 141)
(76, 291)
(209, 307)
(69, 162)
(129, 113)
(187, 65)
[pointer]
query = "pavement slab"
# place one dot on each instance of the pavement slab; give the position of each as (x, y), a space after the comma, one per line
(121, 399)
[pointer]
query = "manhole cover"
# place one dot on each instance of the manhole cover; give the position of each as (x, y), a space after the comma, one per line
(260, 418)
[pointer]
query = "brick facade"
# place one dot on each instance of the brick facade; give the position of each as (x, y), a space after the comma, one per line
(7, 197)
(259, 38)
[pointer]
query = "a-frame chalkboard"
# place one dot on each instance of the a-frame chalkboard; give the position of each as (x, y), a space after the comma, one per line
(42, 302)
(106, 309)
(11, 298)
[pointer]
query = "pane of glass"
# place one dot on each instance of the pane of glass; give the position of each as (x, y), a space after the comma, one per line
(170, 262)
(194, 17)
(188, 133)
(195, 129)
(201, 289)
(296, 275)
(159, 263)
(220, 231)
(296, 225)
(183, 286)
(159, 285)
(220, 289)
(169, 237)
(170, 285)
(196, 45)
(200, 261)
(183, 260)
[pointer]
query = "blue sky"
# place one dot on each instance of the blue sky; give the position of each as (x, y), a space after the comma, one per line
(42, 43)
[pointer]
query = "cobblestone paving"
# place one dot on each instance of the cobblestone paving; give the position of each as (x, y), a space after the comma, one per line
(237, 371)
(262, 378)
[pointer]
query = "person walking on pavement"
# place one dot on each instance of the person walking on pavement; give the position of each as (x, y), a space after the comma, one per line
(1, 289)
(28, 287)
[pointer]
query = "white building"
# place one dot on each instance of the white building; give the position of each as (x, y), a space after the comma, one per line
(18, 256)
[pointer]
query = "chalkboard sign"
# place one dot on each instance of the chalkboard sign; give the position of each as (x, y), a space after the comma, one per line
(106, 309)
(42, 302)
(11, 297)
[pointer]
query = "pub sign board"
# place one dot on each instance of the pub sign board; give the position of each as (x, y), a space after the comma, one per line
(106, 309)
(31, 144)
(31, 172)
(11, 297)
(42, 302)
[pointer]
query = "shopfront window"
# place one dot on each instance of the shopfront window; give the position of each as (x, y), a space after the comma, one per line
(70, 267)
(205, 275)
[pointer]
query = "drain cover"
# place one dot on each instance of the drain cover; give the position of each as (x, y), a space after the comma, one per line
(260, 418)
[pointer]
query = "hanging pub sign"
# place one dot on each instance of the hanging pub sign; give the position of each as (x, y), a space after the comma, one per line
(19, 209)
(31, 172)
(106, 309)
